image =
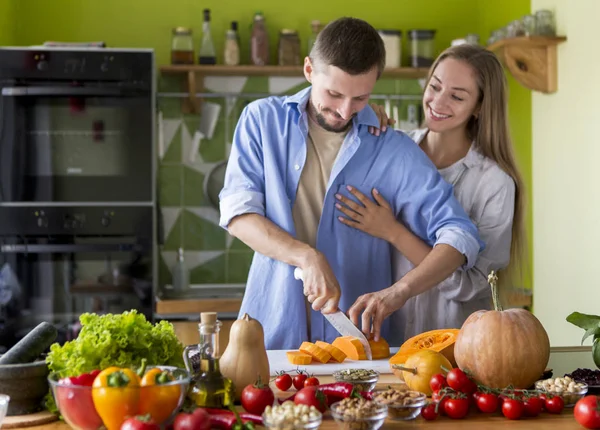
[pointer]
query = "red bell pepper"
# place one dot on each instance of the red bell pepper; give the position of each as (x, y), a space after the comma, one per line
(75, 402)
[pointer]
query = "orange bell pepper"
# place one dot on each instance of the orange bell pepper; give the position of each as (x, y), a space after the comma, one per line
(116, 393)
(159, 395)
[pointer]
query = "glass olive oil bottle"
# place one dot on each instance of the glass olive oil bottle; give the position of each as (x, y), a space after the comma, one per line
(210, 388)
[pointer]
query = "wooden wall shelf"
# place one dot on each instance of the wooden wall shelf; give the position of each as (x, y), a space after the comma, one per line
(532, 60)
(195, 75)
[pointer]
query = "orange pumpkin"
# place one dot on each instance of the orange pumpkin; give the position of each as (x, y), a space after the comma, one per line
(502, 347)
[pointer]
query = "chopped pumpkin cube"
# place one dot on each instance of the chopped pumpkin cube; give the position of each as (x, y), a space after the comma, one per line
(337, 355)
(298, 358)
(314, 351)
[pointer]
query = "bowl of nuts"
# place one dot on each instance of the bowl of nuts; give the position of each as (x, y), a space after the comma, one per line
(402, 405)
(289, 416)
(353, 413)
(570, 390)
(362, 379)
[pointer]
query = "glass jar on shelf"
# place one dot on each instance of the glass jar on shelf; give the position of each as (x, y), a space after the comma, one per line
(182, 46)
(421, 47)
(315, 29)
(544, 23)
(515, 29)
(528, 23)
(289, 48)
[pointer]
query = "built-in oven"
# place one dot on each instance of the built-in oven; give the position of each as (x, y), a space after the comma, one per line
(78, 214)
(76, 125)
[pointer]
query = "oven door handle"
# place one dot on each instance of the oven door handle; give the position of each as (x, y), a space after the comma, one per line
(65, 91)
(61, 248)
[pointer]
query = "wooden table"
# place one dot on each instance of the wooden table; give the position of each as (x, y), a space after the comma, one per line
(545, 421)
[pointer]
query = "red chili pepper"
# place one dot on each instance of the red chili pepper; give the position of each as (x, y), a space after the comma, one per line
(224, 416)
(337, 389)
(256, 419)
(222, 421)
(367, 395)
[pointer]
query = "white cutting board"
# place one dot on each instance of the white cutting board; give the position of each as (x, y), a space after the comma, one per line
(278, 362)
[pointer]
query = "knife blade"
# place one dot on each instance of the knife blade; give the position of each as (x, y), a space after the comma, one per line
(342, 323)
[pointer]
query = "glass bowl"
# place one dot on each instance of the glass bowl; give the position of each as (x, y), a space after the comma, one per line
(403, 405)
(76, 402)
(364, 380)
(285, 417)
(569, 397)
(349, 421)
(4, 400)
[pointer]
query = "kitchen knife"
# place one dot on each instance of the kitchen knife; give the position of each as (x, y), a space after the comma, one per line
(342, 323)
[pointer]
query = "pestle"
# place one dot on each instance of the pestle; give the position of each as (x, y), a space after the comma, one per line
(31, 346)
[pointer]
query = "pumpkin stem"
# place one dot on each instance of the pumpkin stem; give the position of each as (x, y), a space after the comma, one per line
(493, 281)
(412, 370)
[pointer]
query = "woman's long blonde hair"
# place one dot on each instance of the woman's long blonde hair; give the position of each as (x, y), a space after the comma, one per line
(491, 134)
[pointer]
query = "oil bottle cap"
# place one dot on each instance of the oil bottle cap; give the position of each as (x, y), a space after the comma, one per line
(208, 318)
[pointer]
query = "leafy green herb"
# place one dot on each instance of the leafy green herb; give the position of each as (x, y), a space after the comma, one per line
(122, 340)
(590, 323)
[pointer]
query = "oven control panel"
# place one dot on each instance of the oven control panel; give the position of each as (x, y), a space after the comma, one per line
(81, 221)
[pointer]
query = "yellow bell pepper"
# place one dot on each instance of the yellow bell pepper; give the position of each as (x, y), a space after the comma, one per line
(159, 396)
(116, 393)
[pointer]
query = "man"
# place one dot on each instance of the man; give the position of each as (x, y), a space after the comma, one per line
(291, 156)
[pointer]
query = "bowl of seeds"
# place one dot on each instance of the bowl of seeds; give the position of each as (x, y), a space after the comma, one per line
(402, 405)
(357, 413)
(362, 379)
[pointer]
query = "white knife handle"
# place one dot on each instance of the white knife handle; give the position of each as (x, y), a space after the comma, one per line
(298, 273)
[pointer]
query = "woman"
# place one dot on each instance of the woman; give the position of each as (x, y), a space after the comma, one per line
(466, 136)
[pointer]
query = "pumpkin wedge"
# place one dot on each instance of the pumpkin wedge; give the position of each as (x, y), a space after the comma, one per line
(441, 340)
(337, 355)
(319, 354)
(298, 358)
(379, 349)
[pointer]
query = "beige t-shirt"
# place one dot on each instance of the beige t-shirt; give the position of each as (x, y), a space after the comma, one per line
(322, 148)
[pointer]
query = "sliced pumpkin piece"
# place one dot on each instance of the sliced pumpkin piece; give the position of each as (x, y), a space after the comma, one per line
(298, 358)
(350, 346)
(315, 352)
(379, 349)
(337, 355)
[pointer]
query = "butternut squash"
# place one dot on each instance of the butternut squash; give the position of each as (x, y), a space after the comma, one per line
(298, 358)
(337, 355)
(319, 354)
(441, 340)
(245, 358)
(350, 346)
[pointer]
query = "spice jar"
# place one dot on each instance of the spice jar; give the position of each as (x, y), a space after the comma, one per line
(515, 29)
(232, 47)
(421, 47)
(289, 48)
(528, 22)
(259, 41)
(544, 23)
(182, 46)
(392, 40)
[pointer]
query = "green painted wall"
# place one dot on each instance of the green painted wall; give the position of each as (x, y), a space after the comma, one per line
(7, 22)
(148, 23)
(493, 15)
(142, 23)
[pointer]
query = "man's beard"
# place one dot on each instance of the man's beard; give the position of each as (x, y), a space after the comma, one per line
(326, 126)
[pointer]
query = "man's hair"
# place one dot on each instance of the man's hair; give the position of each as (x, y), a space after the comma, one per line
(350, 44)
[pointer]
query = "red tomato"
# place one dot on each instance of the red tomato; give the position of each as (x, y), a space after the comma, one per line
(512, 409)
(311, 396)
(428, 412)
(459, 381)
(198, 420)
(456, 408)
(311, 381)
(256, 397)
(283, 381)
(437, 398)
(437, 382)
(587, 412)
(554, 404)
(139, 423)
(299, 380)
(487, 402)
(533, 406)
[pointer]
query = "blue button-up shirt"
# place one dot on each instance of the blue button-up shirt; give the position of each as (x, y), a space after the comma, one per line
(263, 171)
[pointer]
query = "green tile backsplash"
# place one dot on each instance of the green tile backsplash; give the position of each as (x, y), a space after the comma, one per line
(190, 221)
